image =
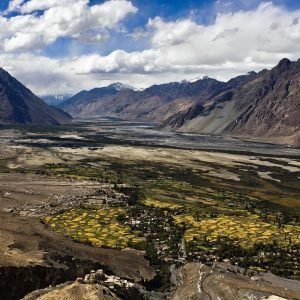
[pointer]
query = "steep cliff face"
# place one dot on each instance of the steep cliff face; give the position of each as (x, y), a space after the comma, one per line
(18, 105)
(268, 105)
(271, 106)
(209, 114)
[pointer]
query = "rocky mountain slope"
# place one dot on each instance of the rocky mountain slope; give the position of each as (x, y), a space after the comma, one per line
(155, 103)
(267, 106)
(18, 105)
(83, 102)
(264, 104)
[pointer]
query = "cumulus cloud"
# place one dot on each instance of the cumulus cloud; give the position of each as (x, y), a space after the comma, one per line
(172, 33)
(242, 41)
(233, 37)
(34, 5)
(59, 18)
(235, 43)
(14, 5)
(44, 75)
(119, 61)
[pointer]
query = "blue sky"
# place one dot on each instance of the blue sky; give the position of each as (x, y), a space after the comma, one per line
(202, 11)
(58, 46)
(168, 10)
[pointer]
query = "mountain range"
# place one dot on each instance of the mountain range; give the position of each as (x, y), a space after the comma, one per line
(256, 105)
(18, 105)
(263, 105)
(155, 103)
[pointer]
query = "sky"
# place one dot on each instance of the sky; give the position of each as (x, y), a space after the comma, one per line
(64, 46)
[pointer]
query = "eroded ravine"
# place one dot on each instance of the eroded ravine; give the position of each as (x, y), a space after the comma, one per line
(16, 281)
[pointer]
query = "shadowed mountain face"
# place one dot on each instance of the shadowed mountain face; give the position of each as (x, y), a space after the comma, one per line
(18, 105)
(155, 103)
(84, 102)
(266, 106)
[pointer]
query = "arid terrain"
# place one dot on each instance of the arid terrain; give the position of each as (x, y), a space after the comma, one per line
(82, 197)
(202, 282)
(149, 150)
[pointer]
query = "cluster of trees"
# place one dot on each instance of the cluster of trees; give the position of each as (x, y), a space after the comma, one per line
(281, 261)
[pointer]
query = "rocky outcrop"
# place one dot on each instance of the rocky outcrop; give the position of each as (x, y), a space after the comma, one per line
(75, 291)
(18, 105)
(99, 286)
(271, 105)
(268, 105)
(17, 281)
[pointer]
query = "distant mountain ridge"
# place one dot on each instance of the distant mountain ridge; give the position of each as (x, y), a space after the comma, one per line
(79, 102)
(155, 103)
(55, 99)
(18, 105)
(264, 104)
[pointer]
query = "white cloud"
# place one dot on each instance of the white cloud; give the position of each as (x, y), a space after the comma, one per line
(120, 61)
(46, 76)
(172, 33)
(24, 41)
(233, 37)
(235, 43)
(34, 5)
(14, 5)
(61, 18)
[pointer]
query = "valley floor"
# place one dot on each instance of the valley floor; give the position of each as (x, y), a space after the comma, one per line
(159, 211)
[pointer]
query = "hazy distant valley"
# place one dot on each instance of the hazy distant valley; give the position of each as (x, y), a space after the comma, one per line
(263, 105)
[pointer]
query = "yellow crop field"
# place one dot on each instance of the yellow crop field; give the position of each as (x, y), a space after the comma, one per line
(98, 227)
(245, 231)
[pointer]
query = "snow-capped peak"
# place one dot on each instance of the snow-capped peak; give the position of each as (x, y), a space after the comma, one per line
(120, 86)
